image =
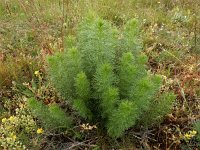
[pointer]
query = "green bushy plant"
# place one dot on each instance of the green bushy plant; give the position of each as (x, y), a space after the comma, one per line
(197, 128)
(15, 128)
(51, 117)
(105, 77)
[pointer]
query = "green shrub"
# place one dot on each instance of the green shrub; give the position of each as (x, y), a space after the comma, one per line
(105, 77)
(51, 117)
(197, 128)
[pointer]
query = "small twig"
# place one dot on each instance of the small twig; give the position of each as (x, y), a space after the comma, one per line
(79, 144)
(195, 34)
(183, 95)
(8, 8)
(173, 56)
(62, 27)
(137, 137)
(23, 7)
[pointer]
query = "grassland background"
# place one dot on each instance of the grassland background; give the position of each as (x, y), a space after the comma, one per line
(170, 29)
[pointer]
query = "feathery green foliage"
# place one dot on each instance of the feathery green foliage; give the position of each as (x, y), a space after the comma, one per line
(122, 118)
(81, 103)
(131, 41)
(64, 82)
(197, 128)
(159, 107)
(51, 117)
(105, 76)
(97, 41)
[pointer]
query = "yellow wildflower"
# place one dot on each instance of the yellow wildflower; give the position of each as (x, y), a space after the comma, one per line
(40, 131)
(193, 132)
(4, 120)
(187, 136)
(88, 127)
(14, 137)
(190, 134)
(36, 73)
(12, 118)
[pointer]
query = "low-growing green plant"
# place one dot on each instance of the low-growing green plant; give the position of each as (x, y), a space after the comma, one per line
(15, 129)
(51, 117)
(105, 77)
(197, 128)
